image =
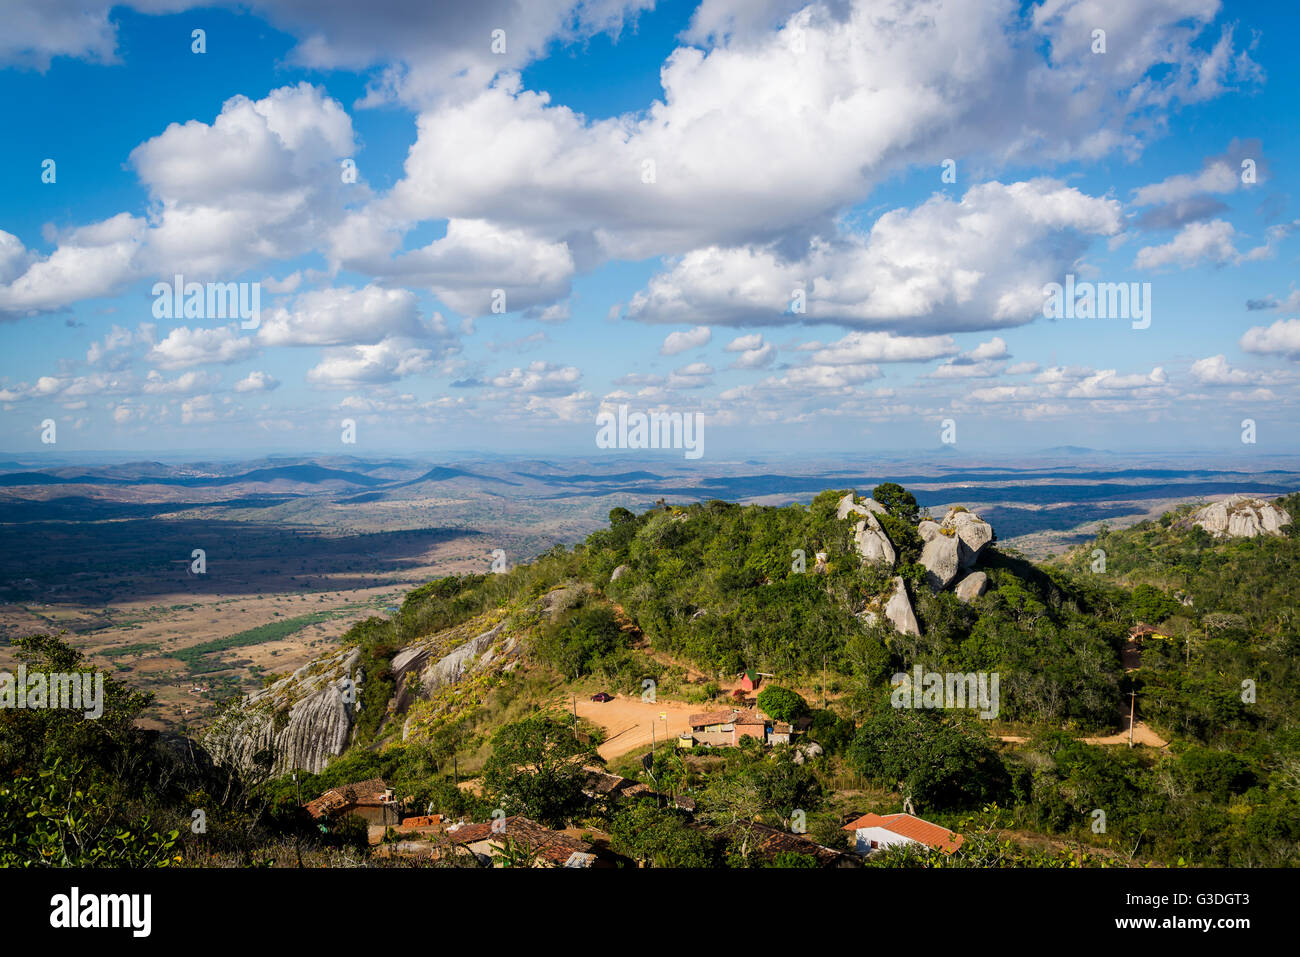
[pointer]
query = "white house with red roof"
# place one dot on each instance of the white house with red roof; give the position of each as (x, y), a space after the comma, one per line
(876, 832)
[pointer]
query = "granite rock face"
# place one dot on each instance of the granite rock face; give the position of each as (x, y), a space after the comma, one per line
(848, 506)
(1240, 516)
(973, 531)
(899, 610)
(869, 537)
(944, 556)
(872, 543)
(303, 721)
(299, 722)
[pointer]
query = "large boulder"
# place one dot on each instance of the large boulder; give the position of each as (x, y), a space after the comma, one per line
(872, 543)
(927, 530)
(944, 556)
(849, 506)
(898, 609)
(973, 531)
(972, 586)
(619, 573)
(1240, 516)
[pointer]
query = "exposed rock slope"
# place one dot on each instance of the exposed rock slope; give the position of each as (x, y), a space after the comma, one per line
(1240, 516)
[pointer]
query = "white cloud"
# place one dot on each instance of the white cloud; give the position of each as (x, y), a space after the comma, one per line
(383, 362)
(1217, 177)
(1282, 338)
(678, 342)
(696, 375)
(260, 182)
(188, 383)
(1212, 242)
(185, 347)
(979, 263)
(343, 316)
(257, 382)
(539, 378)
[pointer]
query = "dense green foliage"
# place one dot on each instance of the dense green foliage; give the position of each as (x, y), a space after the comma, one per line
(782, 704)
(536, 769)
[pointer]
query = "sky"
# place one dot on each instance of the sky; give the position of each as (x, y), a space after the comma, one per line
(819, 227)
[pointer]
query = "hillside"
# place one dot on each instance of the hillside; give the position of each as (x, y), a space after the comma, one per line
(477, 676)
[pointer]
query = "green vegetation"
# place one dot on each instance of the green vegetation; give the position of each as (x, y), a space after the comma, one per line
(782, 704)
(273, 631)
(712, 589)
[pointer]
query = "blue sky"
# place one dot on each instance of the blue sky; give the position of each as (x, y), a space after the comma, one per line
(649, 186)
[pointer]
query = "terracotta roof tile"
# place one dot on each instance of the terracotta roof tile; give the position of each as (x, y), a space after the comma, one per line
(932, 835)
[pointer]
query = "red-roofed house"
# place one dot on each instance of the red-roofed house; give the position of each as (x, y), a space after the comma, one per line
(370, 800)
(875, 832)
(724, 729)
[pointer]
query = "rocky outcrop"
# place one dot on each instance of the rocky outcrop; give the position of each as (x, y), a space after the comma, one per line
(1241, 517)
(308, 718)
(872, 543)
(299, 722)
(869, 536)
(423, 675)
(944, 556)
(927, 530)
(972, 586)
(619, 572)
(849, 505)
(897, 610)
(972, 530)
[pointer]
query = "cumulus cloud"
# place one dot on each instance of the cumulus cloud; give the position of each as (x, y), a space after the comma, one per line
(946, 265)
(543, 378)
(1213, 242)
(260, 182)
(257, 382)
(343, 316)
(1282, 338)
(382, 362)
(677, 342)
(184, 347)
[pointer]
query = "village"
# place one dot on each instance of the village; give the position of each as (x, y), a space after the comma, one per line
(517, 841)
(395, 834)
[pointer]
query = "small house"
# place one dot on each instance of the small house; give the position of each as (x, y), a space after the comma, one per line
(877, 832)
(371, 800)
(491, 842)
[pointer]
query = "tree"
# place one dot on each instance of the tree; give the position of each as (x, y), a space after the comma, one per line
(660, 837)
(898, 501)
(536, 769)
(577, 644)
(934, 760)
(782, 704)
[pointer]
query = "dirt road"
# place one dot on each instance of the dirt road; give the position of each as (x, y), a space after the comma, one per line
(627, 721)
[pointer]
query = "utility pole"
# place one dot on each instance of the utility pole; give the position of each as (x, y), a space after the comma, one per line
(1132, 708)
